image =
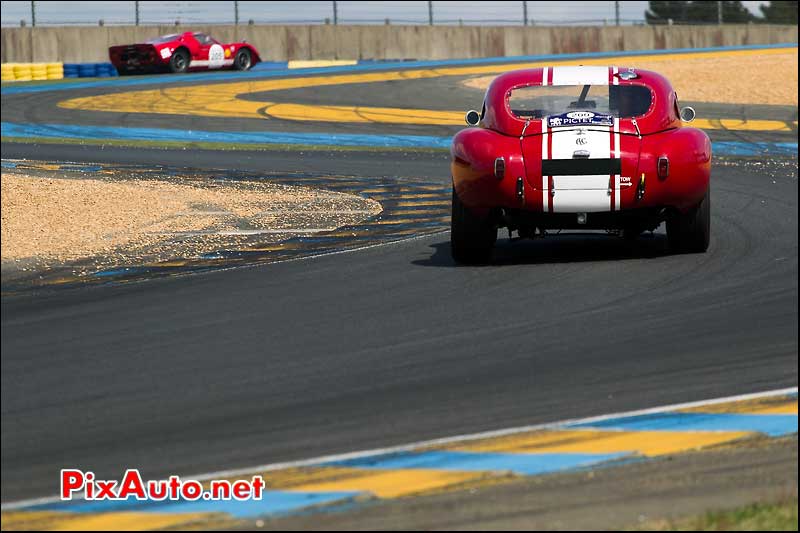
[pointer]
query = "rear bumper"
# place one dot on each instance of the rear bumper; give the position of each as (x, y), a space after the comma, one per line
(136, 58)
(643, 218)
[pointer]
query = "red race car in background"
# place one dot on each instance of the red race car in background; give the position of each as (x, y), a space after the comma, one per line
(182, 52)
(582, 147)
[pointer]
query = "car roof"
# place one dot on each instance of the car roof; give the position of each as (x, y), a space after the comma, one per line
(660, 116)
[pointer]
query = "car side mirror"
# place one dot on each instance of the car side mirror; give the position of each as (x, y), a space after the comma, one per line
(687, 114)
(473, 118)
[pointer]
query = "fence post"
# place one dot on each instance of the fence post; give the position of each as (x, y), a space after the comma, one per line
(236, 12)
(524, 13)
(719, 12)
(616, 12)
(335, 13)
(33, 13)
(136, 4)
(430, 12)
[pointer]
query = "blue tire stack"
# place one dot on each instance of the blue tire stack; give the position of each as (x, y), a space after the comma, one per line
(71, 70)
(105, 70)
(89, 70)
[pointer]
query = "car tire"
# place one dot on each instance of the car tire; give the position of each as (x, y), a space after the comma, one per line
(472, 237)
(243, 60)
(690, 232)
(179, 62)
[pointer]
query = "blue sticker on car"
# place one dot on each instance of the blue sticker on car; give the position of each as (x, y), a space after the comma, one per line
(579, 118)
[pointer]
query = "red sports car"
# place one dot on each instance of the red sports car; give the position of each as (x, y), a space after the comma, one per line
(181, 52)
(579, 147)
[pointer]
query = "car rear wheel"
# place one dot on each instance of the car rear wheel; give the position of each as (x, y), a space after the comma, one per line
(243, 60)
(179, 62)
(690, 232)
(472, 237)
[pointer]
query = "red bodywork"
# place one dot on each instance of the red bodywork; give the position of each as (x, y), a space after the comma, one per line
(204, 52)
(528, 145)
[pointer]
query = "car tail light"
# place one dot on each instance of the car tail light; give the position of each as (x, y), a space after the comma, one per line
(499, 168)
(663, 167)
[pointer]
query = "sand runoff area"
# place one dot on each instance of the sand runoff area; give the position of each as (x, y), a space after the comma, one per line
(52, 220)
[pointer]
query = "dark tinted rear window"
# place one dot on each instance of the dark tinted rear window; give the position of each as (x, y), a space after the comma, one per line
(623, 101)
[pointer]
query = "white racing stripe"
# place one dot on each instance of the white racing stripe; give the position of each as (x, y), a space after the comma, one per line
(567, 141)
(580, 75)
(581, 183)
(586, 193)
(581, 200)
(206, 63)
(615, 79)
(545, 155)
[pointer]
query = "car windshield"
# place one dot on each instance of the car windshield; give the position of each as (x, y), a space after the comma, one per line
(202, 38)
(163, 39)
(621, 101)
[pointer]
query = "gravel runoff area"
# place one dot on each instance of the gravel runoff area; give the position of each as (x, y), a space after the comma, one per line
(56, 220)
(751, 79)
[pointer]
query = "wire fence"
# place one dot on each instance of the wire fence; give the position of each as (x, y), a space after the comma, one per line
(58, 13)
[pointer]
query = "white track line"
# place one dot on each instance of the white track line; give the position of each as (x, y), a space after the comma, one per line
(246, 232)
(242, 472)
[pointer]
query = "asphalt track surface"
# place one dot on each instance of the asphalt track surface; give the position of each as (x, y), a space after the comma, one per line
(392, 344)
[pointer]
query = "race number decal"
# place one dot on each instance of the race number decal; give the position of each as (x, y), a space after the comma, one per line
(579, 118)
(216, 56)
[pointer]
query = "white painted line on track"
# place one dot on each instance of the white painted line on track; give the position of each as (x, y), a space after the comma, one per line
(204, 213)
(238, 232)
(241, 472)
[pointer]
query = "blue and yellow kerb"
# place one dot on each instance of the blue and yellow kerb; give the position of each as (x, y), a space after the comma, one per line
(443, 465)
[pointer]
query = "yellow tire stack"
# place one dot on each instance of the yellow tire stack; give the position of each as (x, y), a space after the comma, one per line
(32, 71)
(22, 72)
(8, 72)
(55, 71)
(39, 71)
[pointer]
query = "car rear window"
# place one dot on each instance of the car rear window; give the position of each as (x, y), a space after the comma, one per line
(621, 101)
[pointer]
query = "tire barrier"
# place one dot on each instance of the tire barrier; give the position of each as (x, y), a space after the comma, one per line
(8, 72)
(55, 71)
(89, 70)
(32, 71)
